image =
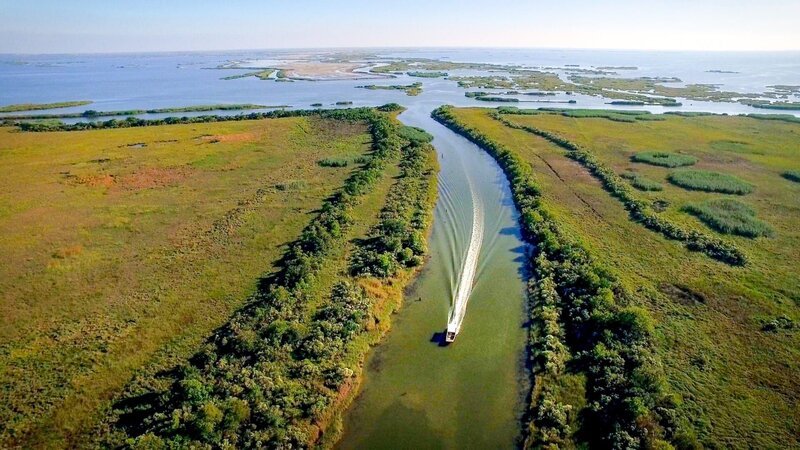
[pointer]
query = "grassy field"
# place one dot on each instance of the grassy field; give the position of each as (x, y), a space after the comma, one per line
(125, 248)
(726, 336)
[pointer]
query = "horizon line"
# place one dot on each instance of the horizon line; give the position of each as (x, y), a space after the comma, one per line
(403, 47)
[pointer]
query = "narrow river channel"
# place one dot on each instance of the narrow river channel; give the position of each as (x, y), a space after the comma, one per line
(416, 393)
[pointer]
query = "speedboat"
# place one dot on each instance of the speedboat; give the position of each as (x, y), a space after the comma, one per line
(450, 334)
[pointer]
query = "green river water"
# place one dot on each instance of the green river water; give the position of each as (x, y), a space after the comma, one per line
(418, 394)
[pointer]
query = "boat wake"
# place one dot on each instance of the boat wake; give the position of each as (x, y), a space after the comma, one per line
(466, 279)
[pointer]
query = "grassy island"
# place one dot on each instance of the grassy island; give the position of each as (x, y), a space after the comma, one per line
(40, 106)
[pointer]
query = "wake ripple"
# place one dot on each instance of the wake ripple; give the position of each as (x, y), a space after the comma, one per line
(468, 269)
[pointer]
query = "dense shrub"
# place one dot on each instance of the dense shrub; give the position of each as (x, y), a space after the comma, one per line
(664, 159)
(332, 162)
(792, 175)
(641, 182)
(639, 210)
(704, 180)
(626, 406)
(780, 323)
(729, 216)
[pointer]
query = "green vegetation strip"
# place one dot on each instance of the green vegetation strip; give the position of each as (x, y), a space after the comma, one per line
(412, 89)
(41, 106)
(273, 374)
(398, 240)
(136, 122)
(639, 211)
(427, 74)
(573, 304)
(704, 180)
(765, 104)
(729, 216)
(780, 117)
(664, 159)
(613, 115)
(135, 112)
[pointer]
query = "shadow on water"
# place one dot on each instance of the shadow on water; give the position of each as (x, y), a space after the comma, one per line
(438, 338)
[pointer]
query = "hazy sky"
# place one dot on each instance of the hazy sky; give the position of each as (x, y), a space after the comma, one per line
(53, 26)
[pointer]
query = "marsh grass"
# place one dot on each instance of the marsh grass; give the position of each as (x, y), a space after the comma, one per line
(729, 216)
(704, 180)
(641, 182)
(664, 159)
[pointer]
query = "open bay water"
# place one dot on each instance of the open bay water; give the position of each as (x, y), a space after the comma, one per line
(162, 80)
(415, 394)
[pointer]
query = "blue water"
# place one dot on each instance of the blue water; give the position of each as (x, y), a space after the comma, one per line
(126, 81)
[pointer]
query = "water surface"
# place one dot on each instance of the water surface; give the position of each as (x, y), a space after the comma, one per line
(417, 393)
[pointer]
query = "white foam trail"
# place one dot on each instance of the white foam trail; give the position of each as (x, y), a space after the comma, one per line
(469, 267)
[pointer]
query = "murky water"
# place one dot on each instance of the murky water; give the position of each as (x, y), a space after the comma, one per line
(417, 393)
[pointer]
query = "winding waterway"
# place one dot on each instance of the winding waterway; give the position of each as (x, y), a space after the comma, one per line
(417, 393)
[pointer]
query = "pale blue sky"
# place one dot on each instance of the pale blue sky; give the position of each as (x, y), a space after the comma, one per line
(54, 26)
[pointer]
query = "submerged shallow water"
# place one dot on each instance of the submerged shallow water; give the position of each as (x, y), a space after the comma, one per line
(418, 393)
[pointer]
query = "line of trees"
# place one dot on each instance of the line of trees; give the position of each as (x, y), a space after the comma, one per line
(269, 377)
(627, 406)
(398, 240)
(639, 210)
